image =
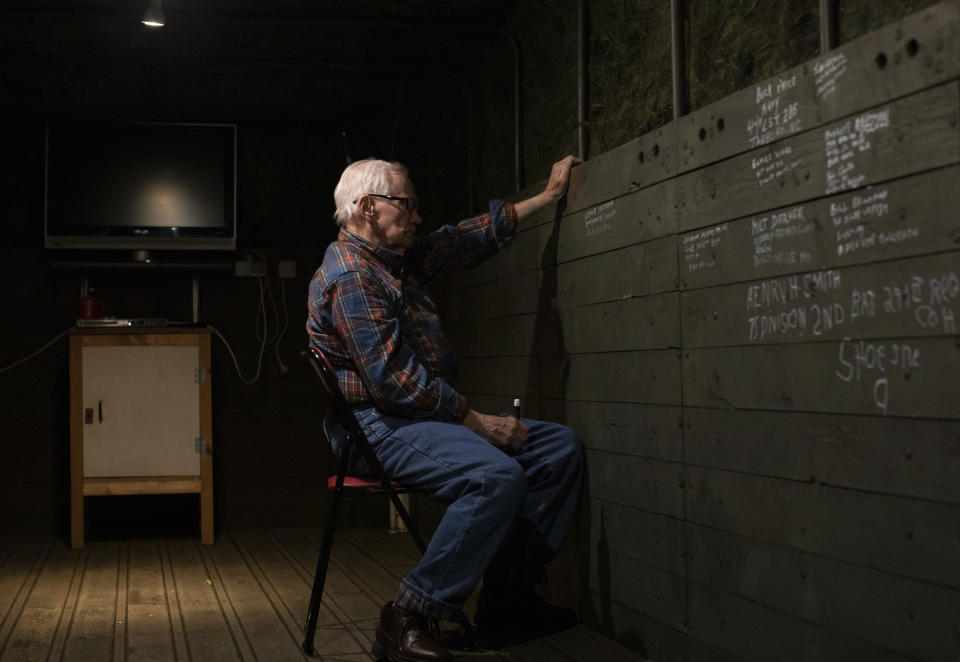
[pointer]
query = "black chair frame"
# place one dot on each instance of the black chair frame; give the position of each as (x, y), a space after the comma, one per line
(356, 439)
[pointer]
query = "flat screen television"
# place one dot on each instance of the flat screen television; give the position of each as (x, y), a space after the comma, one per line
(141, 187)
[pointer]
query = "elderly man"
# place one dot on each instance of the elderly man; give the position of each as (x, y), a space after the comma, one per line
(511, 485)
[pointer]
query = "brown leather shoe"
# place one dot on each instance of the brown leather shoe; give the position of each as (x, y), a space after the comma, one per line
(403, 636)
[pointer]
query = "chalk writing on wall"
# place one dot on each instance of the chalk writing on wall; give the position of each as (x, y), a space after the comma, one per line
(854, 222)
(871, 222)
(775, 117)
(698, 247)
(773, 165)
(821, 302)
(827, 73)
(842, 144)
(798, 305)
(782, 226)
(875, 360)
(598, 219)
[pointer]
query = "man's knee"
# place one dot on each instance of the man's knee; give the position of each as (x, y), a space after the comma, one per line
(508, 479)
(565, 446)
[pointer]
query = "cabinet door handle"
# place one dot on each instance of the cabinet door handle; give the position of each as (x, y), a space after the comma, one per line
(100, 411)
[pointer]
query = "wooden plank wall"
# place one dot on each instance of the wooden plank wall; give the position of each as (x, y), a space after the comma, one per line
(750, 316)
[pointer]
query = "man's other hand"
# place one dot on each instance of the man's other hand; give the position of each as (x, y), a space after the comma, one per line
(560, 177)
(556, 186)
(505, 432)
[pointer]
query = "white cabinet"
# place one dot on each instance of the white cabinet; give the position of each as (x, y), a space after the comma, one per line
(140, 417)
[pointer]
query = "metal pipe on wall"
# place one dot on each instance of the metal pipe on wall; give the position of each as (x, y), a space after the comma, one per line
(681, 103)
(517, 112)
(828, 25)
(582, 137)
(468, 94)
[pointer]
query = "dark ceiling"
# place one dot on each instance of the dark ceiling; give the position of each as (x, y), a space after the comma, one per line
(347, 34)
(240, 59)
(481, 11)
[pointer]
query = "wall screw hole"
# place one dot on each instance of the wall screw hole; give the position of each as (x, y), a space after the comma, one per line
(913, 47)
(881, 60)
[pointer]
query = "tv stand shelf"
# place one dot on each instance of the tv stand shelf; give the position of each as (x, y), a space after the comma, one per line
(131, 265)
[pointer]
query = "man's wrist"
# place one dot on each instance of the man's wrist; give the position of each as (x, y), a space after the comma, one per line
(531, 205)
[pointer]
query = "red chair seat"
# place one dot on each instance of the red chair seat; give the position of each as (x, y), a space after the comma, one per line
(358, 482)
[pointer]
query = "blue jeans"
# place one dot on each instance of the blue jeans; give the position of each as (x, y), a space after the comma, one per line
(490, 495)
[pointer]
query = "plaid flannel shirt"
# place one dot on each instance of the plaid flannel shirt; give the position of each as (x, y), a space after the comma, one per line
(370, 313)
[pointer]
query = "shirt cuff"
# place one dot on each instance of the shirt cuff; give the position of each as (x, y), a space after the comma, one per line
(451, 405)
(503, 220)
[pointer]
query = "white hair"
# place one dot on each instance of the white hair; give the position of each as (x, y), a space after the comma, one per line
(360, 178)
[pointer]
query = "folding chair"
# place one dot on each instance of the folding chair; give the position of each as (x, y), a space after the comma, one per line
(343, 485)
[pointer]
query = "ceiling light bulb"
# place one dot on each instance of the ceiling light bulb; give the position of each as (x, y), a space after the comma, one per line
(153, 16)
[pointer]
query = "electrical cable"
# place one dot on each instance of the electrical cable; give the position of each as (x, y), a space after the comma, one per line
(39, 351)
(263, 335)
(282, 330)
(261, 312)
(276, 316)
(263, 338)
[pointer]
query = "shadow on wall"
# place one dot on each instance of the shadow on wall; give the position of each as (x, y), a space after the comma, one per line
(548, 333)
(588, 562)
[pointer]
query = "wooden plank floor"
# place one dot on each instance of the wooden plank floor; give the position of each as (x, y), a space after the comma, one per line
(244, 598)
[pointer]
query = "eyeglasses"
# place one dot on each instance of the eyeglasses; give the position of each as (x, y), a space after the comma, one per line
(410, 204)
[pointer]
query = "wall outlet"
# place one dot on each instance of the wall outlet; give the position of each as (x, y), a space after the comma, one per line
(287, 269)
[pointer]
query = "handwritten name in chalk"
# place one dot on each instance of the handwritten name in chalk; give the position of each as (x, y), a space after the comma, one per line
(898, 236)
(873, 205)
(598, 210)
(870, 122)
(826, 74)
(858, 358)
(768, 91)
(855, 239)
(775, 291)
(765, 238)
(597, 219)
(775, 220)
(844, 142)
(781, 226)
(860, 237)
(773, 165)
(853, 219)
(927, 300)
(696, 237)
(774, 118)
(696, 244)
(783, 258)
(862, 200)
